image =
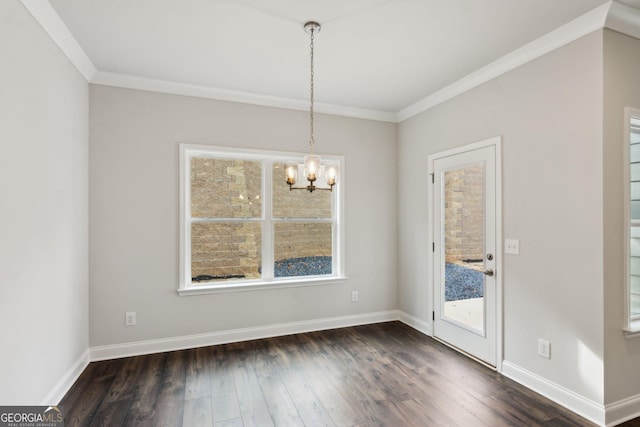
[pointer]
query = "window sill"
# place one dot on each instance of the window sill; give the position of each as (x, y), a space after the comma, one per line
(633, 330)
(260, 285)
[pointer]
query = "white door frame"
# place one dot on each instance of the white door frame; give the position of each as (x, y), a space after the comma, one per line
(497, 143)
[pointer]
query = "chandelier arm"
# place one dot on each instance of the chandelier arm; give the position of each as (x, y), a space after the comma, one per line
(311, 187)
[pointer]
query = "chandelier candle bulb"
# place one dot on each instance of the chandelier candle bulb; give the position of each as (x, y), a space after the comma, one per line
(332, 173)
(311, 166)
(292, 174)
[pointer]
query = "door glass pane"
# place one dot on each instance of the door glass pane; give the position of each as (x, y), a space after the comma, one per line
(635, 210)
(634, 153)
(635, 191)
(635, 172)
(634, 230)
(635, 295)
(464, 218)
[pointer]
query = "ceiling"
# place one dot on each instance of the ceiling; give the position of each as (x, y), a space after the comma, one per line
(378, 55)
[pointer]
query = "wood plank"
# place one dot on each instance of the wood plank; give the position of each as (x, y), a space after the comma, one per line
(331, 397)
(197, 412)
(562, 421)
(224, 399)
(170, 403)
(234, 422)
(125, 383)
(88, 401)
(145, 398)
(110, 414)
(253, 406)
(309, 406)
(281, 407)
(631, 423)
(198, 374)
(390, 414)
(272, 361)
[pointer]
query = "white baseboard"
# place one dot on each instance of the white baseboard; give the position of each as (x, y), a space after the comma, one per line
(623, 410)
(60, 389)
(580, 405)
(415, 323)
(236, 335)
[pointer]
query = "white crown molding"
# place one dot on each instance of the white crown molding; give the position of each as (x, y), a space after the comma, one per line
(134, 82)
(565, 397)
(624, 19)
(579, 27)
(613, 15)
(46, 16)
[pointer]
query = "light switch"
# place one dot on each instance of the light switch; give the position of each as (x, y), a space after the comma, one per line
(512, 246)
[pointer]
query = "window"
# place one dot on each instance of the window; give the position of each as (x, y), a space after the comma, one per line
(632, 294)
(241, 226)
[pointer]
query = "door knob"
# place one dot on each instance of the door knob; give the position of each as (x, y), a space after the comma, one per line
(488, 272)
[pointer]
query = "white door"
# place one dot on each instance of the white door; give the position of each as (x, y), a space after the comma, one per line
(465, 261)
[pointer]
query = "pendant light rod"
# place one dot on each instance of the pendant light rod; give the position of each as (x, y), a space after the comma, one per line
(311, 28)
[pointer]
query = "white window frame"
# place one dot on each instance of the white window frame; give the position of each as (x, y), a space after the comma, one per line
(632, 323)
(185, 287)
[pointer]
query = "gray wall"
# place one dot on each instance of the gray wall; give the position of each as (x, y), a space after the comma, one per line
(621, 89)
(134, 210)
(549, 113)
(44, 113)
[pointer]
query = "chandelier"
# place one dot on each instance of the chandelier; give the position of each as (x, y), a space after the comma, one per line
(312, 168)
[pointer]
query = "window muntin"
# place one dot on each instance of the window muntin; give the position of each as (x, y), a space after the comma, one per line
(242, 226)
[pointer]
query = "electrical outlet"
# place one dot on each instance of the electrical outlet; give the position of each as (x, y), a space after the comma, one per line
(512, 246)
(130, 318)
(544, 348)
(354, 296)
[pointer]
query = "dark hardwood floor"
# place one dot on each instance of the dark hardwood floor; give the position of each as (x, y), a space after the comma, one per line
(385, 374)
